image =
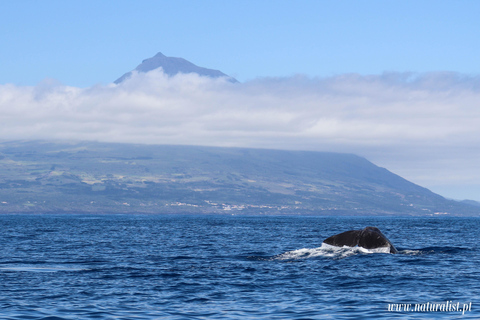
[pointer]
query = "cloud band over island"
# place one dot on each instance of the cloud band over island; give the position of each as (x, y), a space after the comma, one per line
(413, 124)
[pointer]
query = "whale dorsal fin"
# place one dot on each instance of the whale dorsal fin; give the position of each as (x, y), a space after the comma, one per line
(372, 237)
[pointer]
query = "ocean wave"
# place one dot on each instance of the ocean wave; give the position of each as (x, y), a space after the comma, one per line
(36, 268)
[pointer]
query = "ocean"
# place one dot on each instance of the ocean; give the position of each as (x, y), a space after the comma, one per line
(55, 267)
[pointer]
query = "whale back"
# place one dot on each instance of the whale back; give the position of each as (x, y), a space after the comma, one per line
(347, 238)
(368, 238)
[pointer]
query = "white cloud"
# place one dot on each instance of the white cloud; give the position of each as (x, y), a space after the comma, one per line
(419, 126)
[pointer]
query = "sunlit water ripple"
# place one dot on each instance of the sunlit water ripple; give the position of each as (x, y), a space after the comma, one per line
(224, 267)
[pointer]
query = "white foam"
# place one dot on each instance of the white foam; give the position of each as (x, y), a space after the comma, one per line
(376, 250)
(329, 251)
(39, 269)
(411, 252)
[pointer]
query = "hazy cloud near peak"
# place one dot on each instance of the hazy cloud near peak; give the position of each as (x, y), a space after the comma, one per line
(419, 119)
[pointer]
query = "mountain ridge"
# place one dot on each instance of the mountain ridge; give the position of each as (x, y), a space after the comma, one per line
(45, 176)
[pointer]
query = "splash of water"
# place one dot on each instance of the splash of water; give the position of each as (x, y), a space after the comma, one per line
(328, 251)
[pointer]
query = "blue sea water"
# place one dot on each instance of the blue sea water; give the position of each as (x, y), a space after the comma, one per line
(232, 267)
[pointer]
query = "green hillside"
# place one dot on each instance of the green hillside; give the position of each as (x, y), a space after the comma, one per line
(39, 176)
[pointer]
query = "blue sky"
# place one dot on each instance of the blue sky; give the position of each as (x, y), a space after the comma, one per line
(81, 43)
(397, 82)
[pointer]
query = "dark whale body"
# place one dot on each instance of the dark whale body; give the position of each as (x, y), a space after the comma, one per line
(368, 238)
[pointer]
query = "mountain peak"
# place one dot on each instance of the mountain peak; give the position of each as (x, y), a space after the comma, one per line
(172, 66)
(159, 54)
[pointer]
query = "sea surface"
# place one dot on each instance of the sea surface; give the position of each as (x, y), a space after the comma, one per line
(234, 267)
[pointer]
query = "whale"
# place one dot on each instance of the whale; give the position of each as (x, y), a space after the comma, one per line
(367, 238)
